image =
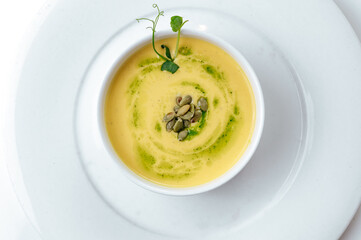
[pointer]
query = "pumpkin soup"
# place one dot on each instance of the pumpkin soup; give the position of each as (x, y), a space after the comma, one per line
(140, 95)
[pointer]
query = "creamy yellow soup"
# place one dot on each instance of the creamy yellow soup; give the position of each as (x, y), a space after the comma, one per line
(140, 94)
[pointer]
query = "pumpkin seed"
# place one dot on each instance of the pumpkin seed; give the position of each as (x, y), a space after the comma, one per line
(203, 104)
(187, 116)
(186, 100)
(186, 123)
(197, 116)
(176, 108)
(170, 125)
(192, 108)
(183, 110)
(178, 100)
(169, 116)
(182, 135)
(185, 113)
(178, 126)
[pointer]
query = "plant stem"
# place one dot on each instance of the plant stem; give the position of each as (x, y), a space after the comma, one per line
(155, 50)
(176, 47)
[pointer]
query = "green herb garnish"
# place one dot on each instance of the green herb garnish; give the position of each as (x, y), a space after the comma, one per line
(169, 66)
(176, 24)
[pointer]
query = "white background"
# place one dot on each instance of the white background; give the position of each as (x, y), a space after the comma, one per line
(15, 19)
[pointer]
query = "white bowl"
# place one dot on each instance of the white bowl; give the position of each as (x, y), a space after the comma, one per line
(92, 95)
(240, 163)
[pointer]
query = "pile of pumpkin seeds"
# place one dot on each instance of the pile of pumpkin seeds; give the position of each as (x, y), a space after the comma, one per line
(184, 114)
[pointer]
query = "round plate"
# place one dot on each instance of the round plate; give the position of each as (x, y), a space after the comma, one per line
(307, 164)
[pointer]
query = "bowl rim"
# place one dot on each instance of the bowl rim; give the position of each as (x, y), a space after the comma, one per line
(240, 163)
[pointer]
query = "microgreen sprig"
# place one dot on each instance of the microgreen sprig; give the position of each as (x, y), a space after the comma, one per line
(154, 22)
(176, 22)
(176, 25)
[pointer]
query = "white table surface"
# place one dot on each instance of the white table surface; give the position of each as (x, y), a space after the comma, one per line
(15, 17)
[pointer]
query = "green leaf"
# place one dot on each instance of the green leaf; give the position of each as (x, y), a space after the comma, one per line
(176, 23)
(167, 52)
(169, 66)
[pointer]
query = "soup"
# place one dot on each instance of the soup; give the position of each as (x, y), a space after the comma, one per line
(140, 94)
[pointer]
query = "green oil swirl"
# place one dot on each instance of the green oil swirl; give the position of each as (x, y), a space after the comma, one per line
(170, 163)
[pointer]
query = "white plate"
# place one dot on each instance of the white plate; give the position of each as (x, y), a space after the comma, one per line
(305, 175)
